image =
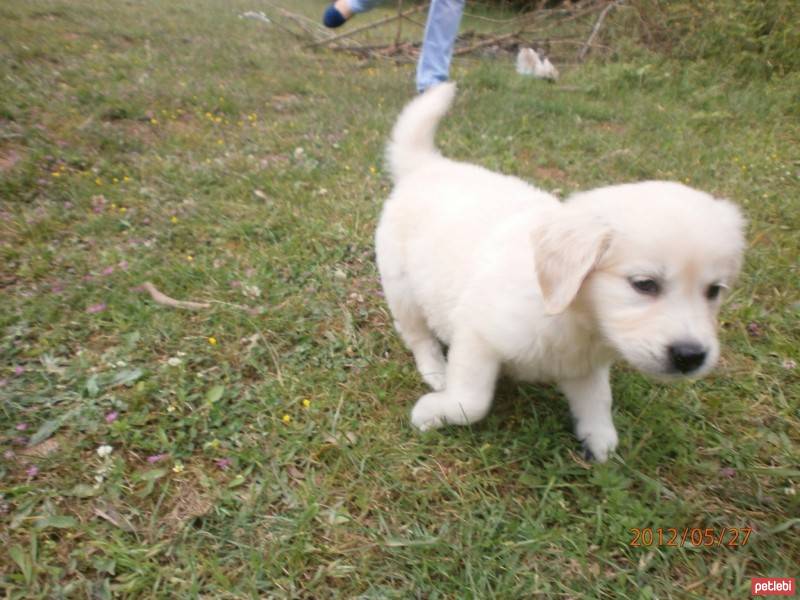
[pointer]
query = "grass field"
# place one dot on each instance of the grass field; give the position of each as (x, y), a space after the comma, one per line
(261, 447)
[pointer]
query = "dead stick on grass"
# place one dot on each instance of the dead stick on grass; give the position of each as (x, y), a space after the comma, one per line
(161, 298)
(595, 30)
(399, 22)
(487, 42)
(365, 27)
(309, 28)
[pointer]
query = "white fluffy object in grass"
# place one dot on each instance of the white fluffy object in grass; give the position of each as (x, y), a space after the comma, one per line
(529, 63)
(257, 15)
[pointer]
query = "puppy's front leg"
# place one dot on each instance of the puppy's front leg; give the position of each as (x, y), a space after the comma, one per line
(472, 369)
(590, 402)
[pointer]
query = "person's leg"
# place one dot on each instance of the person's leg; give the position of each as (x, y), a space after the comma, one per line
(441, 29)
(341, 10)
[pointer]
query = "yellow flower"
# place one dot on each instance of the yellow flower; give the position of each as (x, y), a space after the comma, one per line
(98, 181)
(178, 468)
(171, 408)
(214, 443)
(154, 121)
(115, 180)
(286, 418)
(306, 403)
(173, 220)
(212, 340)
(372, 170)
(123, 210)
(126, 178)
(56, 174)
(189, 257)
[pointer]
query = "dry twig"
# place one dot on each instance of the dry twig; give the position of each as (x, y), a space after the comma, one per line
(161, 298)
(595, 30)
(371, 25)
(513, 32)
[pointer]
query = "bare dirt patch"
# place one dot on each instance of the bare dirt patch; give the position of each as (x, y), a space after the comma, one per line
(9, 159)
(550, 173)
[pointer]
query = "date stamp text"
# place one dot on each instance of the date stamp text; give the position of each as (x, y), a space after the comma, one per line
(690, 536)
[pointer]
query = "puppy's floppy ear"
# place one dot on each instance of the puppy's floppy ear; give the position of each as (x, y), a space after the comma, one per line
(566, 248)
(730, 217)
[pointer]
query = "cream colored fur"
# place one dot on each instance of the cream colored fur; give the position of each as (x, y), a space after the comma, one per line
(514, 281)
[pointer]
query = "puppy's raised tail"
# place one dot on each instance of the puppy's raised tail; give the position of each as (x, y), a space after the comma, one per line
(411, 144)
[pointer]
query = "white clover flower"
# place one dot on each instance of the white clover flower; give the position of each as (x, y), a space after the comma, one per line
(104, 450)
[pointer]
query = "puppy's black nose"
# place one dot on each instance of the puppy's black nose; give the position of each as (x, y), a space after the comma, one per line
(686, 357)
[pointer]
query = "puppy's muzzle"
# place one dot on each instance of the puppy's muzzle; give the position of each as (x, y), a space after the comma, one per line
(686, 357)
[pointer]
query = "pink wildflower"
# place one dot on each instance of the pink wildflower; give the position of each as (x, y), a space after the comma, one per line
(112, 416)
(98, 203)
(223, 463)
(32, 471)
(19, 370)
(156, 458)
(21, 426)
(96, 308)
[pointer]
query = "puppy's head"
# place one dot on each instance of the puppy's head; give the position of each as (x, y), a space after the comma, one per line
(651, 262)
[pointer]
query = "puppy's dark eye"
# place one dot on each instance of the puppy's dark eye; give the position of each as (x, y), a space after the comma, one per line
(649, 287)
(712, 292)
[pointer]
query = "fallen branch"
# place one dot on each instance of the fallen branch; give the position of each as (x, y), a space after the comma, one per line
(595, 30)
(399, 22)
(487, 42)
(513, 33)
(351, 32)
(161, 298)
(309, 28)
(383, 49)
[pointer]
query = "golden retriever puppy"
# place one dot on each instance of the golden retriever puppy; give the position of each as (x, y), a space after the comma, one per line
(514, 281)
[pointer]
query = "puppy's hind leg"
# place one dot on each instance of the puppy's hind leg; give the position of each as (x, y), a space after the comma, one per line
(410, 323)
(472, 370)
(418, 337)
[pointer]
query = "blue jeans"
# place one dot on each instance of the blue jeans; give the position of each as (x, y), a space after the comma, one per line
(444, 18)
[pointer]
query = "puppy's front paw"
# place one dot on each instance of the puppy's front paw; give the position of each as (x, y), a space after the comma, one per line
(428, 412)
(435, 380)
(599, 440)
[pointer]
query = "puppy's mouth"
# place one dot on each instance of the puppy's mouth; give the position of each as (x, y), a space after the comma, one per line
(676, 362)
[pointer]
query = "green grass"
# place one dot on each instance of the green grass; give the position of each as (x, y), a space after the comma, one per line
(134, 136)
